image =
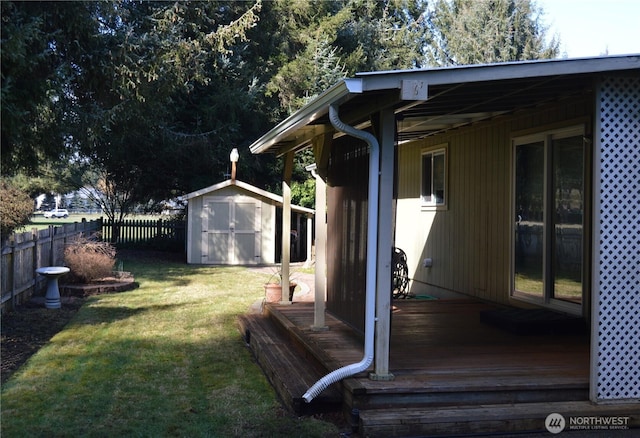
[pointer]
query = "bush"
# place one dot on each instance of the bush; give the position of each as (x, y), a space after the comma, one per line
(89, 259)
(16, 208)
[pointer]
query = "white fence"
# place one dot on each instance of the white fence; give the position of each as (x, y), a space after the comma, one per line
(25, 252)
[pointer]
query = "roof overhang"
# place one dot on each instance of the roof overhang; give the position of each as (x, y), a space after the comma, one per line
(252, 190)
(429, 101)
(300, 120)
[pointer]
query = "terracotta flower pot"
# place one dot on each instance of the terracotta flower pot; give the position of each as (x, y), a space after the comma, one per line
(273, 292)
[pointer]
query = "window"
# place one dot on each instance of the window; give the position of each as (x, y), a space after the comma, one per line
(549, 211)
(434, 178)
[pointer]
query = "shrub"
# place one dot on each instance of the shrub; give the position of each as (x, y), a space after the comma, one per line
(89, 259)
(16, 208)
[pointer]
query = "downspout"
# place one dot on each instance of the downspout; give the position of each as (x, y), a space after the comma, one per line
(372, 256)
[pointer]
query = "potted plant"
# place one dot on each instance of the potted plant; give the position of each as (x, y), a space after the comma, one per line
(273, 287)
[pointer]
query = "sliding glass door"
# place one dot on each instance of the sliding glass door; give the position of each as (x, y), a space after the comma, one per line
(549, 210)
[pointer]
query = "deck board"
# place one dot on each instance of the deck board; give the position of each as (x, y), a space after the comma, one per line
(443, 346)
(442, 357)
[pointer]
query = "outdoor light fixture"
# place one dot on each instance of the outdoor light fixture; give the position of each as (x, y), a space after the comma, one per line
(233, 156)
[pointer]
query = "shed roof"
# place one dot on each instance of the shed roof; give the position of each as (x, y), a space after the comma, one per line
(247, 188)
(429, 101)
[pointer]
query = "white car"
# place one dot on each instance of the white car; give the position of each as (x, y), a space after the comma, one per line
(56, 213)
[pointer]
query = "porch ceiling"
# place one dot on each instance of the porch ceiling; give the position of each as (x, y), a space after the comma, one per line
(450, 106)
(455, 97)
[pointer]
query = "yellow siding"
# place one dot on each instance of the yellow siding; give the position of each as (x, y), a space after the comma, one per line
(469, 242)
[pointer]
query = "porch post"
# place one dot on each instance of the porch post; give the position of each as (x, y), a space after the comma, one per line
(386, 137)
(321, 251)
(286, 227)
(309, 260)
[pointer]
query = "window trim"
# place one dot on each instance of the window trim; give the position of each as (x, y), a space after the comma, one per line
(441, 149)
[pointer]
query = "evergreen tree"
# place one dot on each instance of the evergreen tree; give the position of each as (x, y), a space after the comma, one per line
(487, 31)
(151, 96)
(336, 39)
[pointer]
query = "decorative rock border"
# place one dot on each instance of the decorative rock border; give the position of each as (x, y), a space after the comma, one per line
(119, 282)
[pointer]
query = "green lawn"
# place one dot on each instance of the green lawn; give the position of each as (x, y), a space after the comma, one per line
(163, 360)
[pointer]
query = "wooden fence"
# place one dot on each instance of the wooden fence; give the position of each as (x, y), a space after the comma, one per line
(134, 233)
(25, 252)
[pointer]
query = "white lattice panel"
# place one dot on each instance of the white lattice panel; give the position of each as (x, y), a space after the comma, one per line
(616, 343)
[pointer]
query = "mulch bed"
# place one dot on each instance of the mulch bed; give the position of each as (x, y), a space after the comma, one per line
(29, 327)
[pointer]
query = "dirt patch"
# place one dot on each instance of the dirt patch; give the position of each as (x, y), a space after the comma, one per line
(29, 327)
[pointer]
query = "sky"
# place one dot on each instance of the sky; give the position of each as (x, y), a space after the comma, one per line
(593, 27)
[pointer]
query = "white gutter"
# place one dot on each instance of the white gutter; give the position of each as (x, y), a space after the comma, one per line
(372, 257)
(337, 94)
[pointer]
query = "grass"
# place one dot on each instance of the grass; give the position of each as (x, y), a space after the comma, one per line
(163, 360)
(565, 287)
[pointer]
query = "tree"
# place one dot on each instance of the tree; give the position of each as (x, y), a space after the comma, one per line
(487, 31)
(158, 57)
(153, 95)
(330, 40)
(384, 35)
(125, 87)
(303, 193)
(39, 50)
(15, 209)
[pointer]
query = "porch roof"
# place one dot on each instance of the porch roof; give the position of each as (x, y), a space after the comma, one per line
(429, 101)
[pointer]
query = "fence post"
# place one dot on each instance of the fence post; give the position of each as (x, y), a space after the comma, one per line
(34, 255)
(51, 244)
(12, 245)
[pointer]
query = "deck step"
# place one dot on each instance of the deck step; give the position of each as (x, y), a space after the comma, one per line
(288, 371)
(485, 419)
(450, 390)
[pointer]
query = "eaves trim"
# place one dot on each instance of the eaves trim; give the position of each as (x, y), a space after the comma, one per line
(337, 94)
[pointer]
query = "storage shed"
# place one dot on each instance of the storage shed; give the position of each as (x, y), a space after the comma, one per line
(235, 223)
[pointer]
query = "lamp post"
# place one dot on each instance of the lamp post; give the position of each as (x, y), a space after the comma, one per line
(233, 156)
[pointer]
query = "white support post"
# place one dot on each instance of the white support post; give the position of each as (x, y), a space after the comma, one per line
(321, 251)
(286, 228)
(309, 260)
(386, 137)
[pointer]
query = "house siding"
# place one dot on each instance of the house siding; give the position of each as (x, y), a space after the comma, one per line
(347, 206)
(469, 241)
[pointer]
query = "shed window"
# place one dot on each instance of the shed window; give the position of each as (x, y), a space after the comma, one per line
(434, 177)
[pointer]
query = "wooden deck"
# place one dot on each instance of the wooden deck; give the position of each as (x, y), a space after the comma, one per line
(443, 359)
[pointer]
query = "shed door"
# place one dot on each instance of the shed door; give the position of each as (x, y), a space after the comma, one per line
(231, 230)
